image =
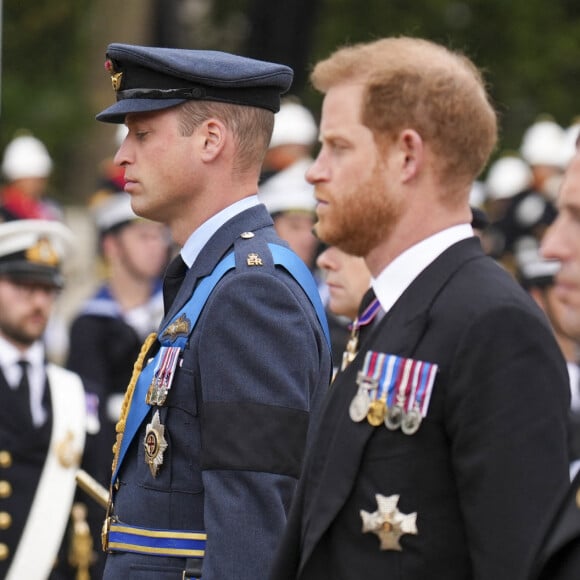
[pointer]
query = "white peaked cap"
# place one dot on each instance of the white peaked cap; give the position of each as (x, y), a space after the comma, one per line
(113, 211)
(26, 156)
(570, 137)
(293, 125)
(18, 235)
(507, 177)
(288, 190)
(543, 144)
(35, 249)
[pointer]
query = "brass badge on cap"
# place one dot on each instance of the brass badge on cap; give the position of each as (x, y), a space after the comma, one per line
(155, 444)
(388, 523)
(42, 253)
(116, 77)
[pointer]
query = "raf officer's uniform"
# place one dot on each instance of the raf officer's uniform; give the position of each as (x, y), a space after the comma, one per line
(214, 427)
(440, 452)
(42, 423)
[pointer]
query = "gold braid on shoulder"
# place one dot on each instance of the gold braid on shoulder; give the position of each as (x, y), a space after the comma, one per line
(137, 368)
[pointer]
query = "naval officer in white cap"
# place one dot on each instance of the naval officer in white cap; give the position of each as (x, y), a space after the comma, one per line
(43, 411)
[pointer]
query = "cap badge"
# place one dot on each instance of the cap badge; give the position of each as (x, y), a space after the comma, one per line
(388, 523)
(115, 76)
(155, 444)
(42, 253)
(254, 260)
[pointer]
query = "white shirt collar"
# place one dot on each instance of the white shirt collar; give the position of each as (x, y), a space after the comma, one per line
(203, 233)
(390, 284)
(10, 355)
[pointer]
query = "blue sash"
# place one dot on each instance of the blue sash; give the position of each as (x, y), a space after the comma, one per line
(191, 310)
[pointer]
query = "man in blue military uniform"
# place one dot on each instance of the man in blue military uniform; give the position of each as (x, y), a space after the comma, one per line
(216, 417)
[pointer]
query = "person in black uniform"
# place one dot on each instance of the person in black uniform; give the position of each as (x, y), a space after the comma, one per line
(441, 452)
(216, 417)
(43, 419)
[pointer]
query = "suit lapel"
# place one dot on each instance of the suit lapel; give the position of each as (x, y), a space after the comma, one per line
(333, 466)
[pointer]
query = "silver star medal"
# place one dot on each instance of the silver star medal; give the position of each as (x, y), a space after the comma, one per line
(388, 523)
(155, 444)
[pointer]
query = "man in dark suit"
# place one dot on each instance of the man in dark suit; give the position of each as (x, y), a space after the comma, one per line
(559, 557)
(441, 451)
(215, 419)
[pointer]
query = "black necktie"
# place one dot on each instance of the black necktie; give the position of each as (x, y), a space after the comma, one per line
(174, 276)
(23, 392)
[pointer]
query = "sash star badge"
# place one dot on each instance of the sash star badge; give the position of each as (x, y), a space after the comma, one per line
(155, 444)
(388, 523)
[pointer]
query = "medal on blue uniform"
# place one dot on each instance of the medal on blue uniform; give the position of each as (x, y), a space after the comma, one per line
(155, 444)
(163, 375)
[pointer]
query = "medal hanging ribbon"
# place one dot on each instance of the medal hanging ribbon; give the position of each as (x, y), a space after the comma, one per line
(379, 405)
(363, 320)
(393, 390)
(368, 382)
(418, 402)
(163, 375)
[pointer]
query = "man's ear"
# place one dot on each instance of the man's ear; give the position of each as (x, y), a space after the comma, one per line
(213, 135)
(413, 153)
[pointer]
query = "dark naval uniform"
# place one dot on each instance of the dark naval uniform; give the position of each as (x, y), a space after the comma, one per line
(103, 348)
(220, 456)
(23, 452)
(43, 421)
(467, 491)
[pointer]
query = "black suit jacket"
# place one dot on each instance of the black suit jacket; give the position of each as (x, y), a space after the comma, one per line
(559, 557)
(489, 463)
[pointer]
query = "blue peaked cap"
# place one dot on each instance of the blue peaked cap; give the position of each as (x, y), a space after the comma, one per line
(151, 78)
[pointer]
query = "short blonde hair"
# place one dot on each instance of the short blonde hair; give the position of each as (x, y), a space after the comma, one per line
(412, 83)
(251, 126)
